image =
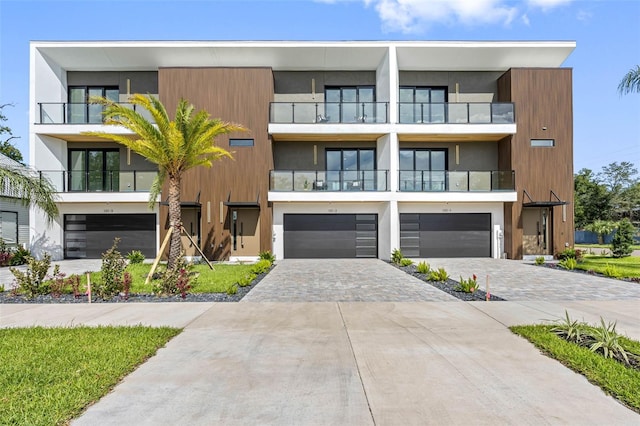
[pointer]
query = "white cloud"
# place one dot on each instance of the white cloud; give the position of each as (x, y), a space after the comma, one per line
(411, 16)
(584, 16)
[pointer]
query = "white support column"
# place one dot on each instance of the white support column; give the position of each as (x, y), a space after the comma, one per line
(394, 227)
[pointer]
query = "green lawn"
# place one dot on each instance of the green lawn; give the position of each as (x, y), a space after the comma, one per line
(600, 246)
(50, 375)
(611, 376)
(217, 280)
(628, 267)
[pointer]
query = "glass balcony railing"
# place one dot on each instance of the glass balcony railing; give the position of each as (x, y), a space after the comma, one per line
(320, 180)
(456, 113)
(79, 113)
(456, 181)
(100, 181)
(329, 112)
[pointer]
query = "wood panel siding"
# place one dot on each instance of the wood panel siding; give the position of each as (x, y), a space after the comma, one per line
(544, 110)
(239, 95)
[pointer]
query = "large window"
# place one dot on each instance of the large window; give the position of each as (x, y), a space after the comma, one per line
(351, 169)
(423, 169)
(350, 104)
(94, 170)
(9, 227)
(422, 104)
(80, 111)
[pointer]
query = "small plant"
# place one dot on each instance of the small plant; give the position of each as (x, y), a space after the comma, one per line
(74, 282)
(570, 253)
(261, 266)
(1, 288)
(611, 271)
(57, 283)
(179, 274)
(32, 281)
(135, 256)
(469, 285)
(20, 256)
(571, 330)
(113, 265)
(438, 275)
(267, 255)
(396, 256)
(182, 285)
(246, 280)
(569, 263)
(233, 289)
(126, 284)
(406, 262)
(606, 340)
(423, 268)
(540, 260)
(622, 242)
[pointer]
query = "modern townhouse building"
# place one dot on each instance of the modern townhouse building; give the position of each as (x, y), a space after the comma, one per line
(441, 149)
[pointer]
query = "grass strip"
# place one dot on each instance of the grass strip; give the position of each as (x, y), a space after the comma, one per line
(50, 375)
(628, 267)
(611, 376)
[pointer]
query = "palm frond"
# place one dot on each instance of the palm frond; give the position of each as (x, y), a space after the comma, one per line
(30, 189)
(630, 82)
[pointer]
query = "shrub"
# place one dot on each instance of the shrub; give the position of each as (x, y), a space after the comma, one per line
(540, 260)
(233, 289)
(246, 280)
(570, 253)
(438, 275)
(32, 281)
(1, 288)
(111, 281)
(406, 262)
(423, 268)
(606, 340)
(175, 280)
(261, 267)
(611, 271)
(135, 256)
(621, 244)
(57, 282)
(396, 256)
(469, 285)
(74, 282)
(20, 256)
(569, 264)
(571, 330)
(6, 254)
(267, 255)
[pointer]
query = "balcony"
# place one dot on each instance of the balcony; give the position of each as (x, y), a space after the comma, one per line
(328, 181)
(456, 181)
(100, 181)
(329, 112)
(78, 113)
(456, 113)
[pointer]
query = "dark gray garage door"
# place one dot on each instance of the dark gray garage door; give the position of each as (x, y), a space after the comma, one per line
(90, 235)
(445, 235)
(324, 236)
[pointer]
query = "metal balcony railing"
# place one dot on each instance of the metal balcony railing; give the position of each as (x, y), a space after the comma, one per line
(100, 181)
(321, 180)
(329, 112)
(79, 113)
(456, 181)
(456, 113)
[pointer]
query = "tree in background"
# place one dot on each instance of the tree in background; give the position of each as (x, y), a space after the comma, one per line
(591, 199)
(602, 228)
(6, 147)
(621, 245)
(630, 82)
(175, 146)
(623, 190)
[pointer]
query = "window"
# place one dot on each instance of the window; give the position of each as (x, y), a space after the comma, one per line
(9, 227)
(423, 169)
(545, 143)
(349, 104)
(80, 111)
(240, 142)
(422, 104)
(351, 169)
(94, 170)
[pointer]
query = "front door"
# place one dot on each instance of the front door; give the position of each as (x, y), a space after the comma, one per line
(536, 224)
(191, 224)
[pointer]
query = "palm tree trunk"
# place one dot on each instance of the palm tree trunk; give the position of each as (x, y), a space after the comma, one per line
(175, 220)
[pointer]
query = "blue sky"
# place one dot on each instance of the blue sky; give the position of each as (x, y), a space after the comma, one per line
(606, 125)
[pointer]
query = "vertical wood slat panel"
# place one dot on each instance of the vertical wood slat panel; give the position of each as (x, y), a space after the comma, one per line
(239, 95)
(543, 98)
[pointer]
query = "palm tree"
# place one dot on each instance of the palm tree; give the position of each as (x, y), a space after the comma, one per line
(16, 180)
(631, 81)
(174, 146)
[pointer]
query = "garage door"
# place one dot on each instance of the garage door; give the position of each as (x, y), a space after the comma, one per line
(323, 236)
(445, 235)
(90, 235)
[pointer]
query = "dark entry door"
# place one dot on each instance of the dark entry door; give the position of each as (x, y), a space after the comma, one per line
(323, 236)
(445, 234)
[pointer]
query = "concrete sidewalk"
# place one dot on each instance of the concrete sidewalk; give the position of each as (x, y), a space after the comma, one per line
(345, 363)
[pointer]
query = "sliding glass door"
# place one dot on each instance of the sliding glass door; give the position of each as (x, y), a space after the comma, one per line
(94, 170)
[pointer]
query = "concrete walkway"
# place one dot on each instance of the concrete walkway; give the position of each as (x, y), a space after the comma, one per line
(345, 363)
